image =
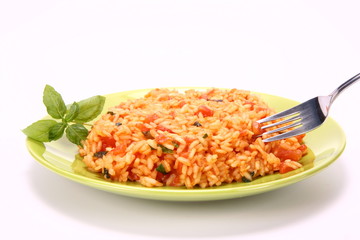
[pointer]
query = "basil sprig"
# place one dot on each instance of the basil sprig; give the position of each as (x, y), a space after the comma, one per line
(69, 120)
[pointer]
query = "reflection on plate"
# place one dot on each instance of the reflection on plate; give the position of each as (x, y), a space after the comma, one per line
(326, 144)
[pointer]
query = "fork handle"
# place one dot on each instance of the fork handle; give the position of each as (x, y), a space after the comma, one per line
(343, 86)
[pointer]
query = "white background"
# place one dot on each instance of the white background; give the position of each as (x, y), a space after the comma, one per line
(295, 49)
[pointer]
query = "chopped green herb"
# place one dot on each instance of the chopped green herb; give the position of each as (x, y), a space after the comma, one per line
(205, 135)
(106, 173)
(176, 145)
(244, 179)
(197, 124)
(147, 135)
(100, 154)
(151, 147)
(165, 149)
(161, 169)
(118, 124)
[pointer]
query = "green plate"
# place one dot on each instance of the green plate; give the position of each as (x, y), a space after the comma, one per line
(326, 143)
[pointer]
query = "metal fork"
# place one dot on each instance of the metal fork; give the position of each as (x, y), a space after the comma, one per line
(304, 117)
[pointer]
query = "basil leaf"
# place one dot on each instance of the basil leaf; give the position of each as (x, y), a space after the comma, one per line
(54, 103)
(76, 132)
(73, 112)
(40, 130)
(90, 108)
(57, 131)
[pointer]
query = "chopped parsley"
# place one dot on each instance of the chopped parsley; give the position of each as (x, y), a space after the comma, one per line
(197, 124)
(161, 169)
(100, 154)
(176, 145)
(106, 173)
(151, 147)
(147, 135)
(165, 149)
(244, 179)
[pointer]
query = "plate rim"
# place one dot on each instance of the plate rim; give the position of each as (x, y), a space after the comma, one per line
(183, 194)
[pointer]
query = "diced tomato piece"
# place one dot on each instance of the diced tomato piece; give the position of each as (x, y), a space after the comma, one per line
(207, 94)
(302, 148)
(164, 178)
(243, 133)
(164, 98)
(300, 137)
(162, 128)
(132, 176)
(161, 138)
(173, 114)
(142, 127)
(179, 168)
(204, 96)
(189, 139)
(159, 176)
(205, 111)
(184, 154)
(181, 104)
(176, 181)
(249, 102)
(177, 172)
(107, 142)
(261, 108)
(151, 118)
(284, 154)
(256, 128)
(120, 150)
(285, 168)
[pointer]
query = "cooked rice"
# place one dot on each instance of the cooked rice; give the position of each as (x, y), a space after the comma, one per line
(196, 138)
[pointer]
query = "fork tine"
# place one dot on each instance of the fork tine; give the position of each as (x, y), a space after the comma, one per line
(283, 128)
(295, 118)
(289, 112)
(292, 133)
(286, 113)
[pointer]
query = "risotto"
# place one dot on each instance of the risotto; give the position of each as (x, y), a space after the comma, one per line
(192, 139)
